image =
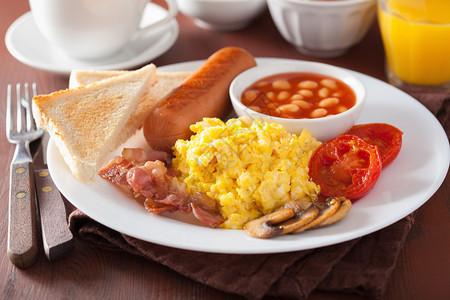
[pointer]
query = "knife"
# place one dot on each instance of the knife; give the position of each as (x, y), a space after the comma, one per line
(56, 236)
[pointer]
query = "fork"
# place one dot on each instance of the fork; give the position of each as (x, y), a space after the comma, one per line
(22, 246)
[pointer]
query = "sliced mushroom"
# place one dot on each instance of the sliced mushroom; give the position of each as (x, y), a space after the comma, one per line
(285, 220)
(298, 205)
(326, 210)
(265, 227)
(300, 219)
(298, 216)
(343, 210)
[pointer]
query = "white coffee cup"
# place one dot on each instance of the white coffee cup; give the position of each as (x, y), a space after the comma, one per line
(93, 29)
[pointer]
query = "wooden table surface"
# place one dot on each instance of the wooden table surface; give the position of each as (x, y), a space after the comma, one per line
(89, 273)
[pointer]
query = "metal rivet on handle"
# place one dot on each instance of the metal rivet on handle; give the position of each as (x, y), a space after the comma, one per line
(20, 170)
(46, 189)
(21, 195)
(43, 174)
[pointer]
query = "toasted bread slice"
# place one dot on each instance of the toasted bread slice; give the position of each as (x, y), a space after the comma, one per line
(90, 121)
(86, 77)
(165, 82)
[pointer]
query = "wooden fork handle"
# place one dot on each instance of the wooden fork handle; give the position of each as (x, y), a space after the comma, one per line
(22, 240)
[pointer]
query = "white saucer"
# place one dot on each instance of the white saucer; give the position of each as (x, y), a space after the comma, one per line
(26, 43)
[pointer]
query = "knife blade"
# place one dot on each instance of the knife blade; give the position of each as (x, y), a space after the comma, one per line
(57, 239)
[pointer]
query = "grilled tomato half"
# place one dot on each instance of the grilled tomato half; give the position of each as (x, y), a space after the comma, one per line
(386, 137)
(345, 166)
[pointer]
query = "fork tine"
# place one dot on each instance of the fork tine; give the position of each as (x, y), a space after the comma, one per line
(26, 100)
(34, 86)
(9, 121)
(19, 109)
(30, 103)
(27, 103)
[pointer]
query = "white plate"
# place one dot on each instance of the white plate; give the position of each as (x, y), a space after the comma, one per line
(403, 186)
(27, 44)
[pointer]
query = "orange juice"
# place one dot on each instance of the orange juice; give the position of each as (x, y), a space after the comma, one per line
(416, 37)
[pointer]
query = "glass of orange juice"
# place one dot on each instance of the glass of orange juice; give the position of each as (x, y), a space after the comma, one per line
(416, 38)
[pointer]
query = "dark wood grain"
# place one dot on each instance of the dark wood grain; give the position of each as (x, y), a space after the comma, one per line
(91, 273)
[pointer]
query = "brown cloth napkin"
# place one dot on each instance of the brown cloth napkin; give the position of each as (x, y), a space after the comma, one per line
(362, 266)
(438, 102)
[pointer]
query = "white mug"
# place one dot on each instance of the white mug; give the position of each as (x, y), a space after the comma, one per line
(93, 29)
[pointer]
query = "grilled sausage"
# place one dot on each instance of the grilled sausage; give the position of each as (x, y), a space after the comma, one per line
(203, 94)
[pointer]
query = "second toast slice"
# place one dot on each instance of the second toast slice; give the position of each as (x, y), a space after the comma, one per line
(88, 122)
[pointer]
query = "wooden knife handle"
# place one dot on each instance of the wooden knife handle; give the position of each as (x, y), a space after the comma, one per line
(22, 246)
(56, 236)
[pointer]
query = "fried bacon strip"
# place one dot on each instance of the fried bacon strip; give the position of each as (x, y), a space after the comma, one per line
(141, 173)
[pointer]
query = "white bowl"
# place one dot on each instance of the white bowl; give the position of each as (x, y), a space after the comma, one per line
(324, 128)
(222, 15)
(322, 28)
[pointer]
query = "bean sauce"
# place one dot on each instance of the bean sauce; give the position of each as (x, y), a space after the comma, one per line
(299, 96)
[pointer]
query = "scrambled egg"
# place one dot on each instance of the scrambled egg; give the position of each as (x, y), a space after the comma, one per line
(250, 168)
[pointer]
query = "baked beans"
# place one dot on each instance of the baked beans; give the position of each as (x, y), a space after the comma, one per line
(299, 95)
